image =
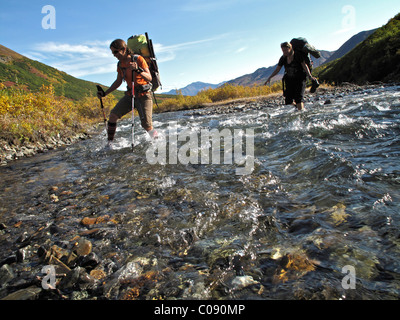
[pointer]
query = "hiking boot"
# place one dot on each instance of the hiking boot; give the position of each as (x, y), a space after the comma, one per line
(314, 86)
(153, 134)
(109, 146)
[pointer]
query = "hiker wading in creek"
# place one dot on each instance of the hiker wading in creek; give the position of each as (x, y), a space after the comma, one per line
(130, 65)
(296, 72)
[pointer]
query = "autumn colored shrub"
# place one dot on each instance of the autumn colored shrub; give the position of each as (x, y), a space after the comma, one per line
(29, 116)
(223, 93)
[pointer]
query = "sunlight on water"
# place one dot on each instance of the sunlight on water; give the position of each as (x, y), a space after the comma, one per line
(322, 195)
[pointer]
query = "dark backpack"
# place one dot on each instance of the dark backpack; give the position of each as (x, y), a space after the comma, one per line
(302, 46)
(142, 45)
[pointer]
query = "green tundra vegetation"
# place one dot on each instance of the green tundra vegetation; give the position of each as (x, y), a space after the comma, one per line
(19, 71)
(375, 59)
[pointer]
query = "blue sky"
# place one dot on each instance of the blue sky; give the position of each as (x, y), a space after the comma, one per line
(195, 40)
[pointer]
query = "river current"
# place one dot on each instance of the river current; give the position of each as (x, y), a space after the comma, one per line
(316, 217)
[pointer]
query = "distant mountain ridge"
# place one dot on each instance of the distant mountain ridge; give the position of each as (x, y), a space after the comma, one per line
(259, 76)
(193, 88)
(350, 44)
(256, 78)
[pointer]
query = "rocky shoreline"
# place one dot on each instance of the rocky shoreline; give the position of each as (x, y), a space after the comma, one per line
(10, 151)
(324, 95)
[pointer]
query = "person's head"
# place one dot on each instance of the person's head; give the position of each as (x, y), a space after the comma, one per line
(119, 48)
(286, 48)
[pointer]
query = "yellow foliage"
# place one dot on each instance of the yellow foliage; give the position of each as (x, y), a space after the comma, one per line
(27, 116)
(226, 92)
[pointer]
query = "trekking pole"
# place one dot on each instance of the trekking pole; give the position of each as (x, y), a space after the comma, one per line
(155, 100)
(133, 110)
(102, 107)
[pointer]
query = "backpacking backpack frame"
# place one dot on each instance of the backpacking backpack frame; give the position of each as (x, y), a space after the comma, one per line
(301, 45)
(144, 47)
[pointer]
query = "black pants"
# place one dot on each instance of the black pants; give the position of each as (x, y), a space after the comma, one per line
(294, 89)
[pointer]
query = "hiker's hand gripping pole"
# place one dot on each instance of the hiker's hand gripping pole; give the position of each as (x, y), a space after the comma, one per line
(102, 93)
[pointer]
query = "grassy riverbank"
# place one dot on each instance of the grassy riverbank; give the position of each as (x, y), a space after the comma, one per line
(27, 117)
(34, 116)
(224, 93)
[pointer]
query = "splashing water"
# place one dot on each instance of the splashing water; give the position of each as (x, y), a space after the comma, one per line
(322, 195)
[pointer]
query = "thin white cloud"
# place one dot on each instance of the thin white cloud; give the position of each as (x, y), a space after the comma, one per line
(65, 49)
(241, 49)
(94, 57)
(35, 55)
(168, 53)
(78, 60)
(85, 67)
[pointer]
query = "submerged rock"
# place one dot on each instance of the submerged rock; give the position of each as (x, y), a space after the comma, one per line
(6, 274)
(30, 293)
(83, 247)
(241, 282)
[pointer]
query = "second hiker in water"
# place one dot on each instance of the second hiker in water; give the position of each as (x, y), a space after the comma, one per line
(296, 72)
(129, 65)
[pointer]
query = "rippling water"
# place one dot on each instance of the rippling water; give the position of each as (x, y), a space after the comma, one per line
(323, 197)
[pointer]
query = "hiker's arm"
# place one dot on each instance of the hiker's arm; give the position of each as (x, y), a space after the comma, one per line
(276, 71)
(144, 72)
(115, 85)
(146, 75)
(307, 70)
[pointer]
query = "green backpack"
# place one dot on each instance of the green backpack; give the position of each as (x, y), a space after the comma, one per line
(142, 45)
